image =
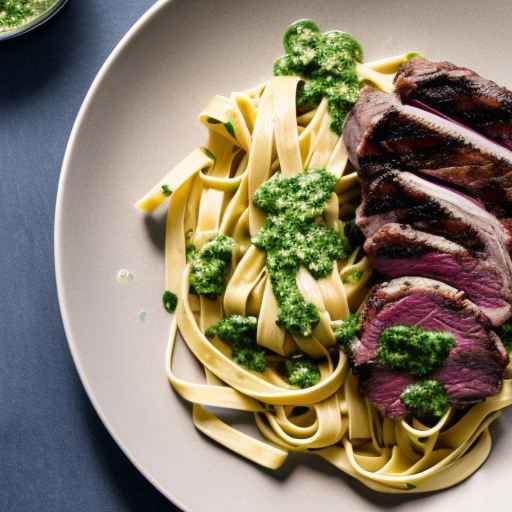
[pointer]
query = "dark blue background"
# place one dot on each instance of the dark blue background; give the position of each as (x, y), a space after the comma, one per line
(55, 455)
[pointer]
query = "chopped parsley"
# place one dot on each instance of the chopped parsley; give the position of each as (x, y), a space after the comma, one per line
(302, 372)
(426, 399)
(353, 277)
(327, 63)
(346, 330)
(209, 265)
(239, 332)
(413, 349)
(291, 238)
(166, 191)
(170, 301)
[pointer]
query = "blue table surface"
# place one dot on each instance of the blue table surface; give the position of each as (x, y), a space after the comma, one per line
(55, 454)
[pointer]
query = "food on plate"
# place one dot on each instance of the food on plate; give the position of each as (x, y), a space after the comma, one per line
(459, 94)
(398, 249)
(17, 13)
(383, 134)
(309, 182)
(424, 329)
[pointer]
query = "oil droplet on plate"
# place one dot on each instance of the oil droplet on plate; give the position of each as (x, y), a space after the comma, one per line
(124, 276)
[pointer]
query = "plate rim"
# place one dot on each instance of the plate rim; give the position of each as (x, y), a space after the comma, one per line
(116, 52)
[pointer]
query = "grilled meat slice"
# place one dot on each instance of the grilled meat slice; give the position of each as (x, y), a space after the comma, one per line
(405, 198)
(475, 366)
(460, 94)
(381, 135)
(383, 388)
(398, 250)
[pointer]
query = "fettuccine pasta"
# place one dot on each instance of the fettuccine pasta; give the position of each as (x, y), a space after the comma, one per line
(252, 135)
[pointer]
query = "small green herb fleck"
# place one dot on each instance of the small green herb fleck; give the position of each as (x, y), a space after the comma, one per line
(212, 120)
(426, 399)
(302, 372)
(413, 349)
(239, 332)
(411, 55)
(170, 301)
(230, 129)
(235, 329)
(209, 265)
(353, 277)
(346, 330)
(166, 190)
(208, 153)
(505, 334)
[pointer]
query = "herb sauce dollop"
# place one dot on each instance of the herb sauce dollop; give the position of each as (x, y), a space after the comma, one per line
(16, 13)
(239, 332)
(209, 265)
(290, 237)
(413, 349)
(327, 64)
(426, 399)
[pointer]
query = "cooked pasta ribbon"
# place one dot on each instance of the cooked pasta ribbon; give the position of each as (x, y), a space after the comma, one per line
(252, 135)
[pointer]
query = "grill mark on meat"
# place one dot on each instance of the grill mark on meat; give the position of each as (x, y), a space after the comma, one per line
(460, 94)
(398, 250)
(475, 366)
(381, 135)
(406, 156)
(408, 199)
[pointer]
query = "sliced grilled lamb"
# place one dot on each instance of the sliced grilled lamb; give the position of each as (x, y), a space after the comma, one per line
(475, 365)
(405, 198)
(383, 387)
(460, 94)
(398, 250)
(381, 135)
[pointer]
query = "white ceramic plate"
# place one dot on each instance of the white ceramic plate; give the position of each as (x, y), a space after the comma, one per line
(138, 119)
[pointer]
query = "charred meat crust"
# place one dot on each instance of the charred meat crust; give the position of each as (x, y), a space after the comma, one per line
(393, 192)
(458, 93)
(398, 250)
(475, 366)
(382, 135)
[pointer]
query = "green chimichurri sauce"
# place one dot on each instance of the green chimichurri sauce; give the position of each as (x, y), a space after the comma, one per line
(353, 277)
(291, 237)
(426, 399)
(327, 63)
(346, 330)
(16, 13)
(302, 372)
(170, 301)
(413, 349)
(239, 332)
(208, 266)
